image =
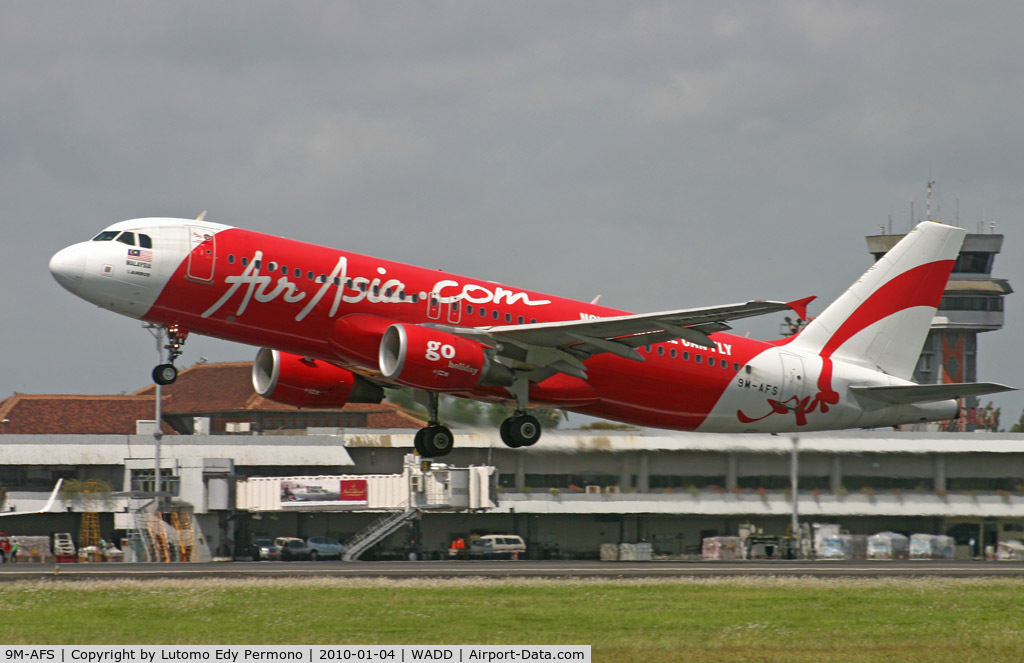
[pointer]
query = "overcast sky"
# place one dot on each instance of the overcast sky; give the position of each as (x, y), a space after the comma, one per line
(663, 155)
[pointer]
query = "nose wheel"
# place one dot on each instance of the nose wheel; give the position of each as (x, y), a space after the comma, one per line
(167, 373)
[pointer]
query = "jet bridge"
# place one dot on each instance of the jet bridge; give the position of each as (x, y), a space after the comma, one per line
(422, 485)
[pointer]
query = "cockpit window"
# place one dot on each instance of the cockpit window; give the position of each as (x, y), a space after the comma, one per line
(127, 238)
(105, 236)
(145, 241)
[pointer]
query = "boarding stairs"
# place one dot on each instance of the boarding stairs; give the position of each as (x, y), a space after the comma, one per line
(143, 538)
(365, 538)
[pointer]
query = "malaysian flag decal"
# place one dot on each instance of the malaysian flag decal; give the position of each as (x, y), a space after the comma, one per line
(142, 255)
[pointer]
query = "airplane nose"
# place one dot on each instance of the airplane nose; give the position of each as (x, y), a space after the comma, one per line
(68, 267)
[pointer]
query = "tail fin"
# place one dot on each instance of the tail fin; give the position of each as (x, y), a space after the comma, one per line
(883, 319)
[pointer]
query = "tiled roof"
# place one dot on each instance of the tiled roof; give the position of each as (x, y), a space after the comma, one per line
(202, 390)
(77, 415)
(211, 388)
(227, 387)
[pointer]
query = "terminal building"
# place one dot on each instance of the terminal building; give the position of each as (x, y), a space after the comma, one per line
(234, 466)
(567, 495)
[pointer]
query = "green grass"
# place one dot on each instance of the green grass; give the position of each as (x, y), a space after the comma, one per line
(728, 619)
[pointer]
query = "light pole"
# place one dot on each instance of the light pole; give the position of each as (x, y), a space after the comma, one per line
(794, 471)
(158, 333)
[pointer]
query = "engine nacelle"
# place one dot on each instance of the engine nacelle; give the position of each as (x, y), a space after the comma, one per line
(294, 380)
(427, 358)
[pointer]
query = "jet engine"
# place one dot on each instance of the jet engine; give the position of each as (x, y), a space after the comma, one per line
(295, 380)
(427, 358)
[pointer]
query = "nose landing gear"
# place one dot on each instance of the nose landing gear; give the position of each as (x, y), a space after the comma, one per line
(176, 334)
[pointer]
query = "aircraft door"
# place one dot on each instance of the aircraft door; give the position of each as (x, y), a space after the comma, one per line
(202, 245)
(792, 377)
(433, 306)
(455, 312)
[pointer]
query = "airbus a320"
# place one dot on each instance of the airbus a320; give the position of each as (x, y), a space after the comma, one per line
(336, 327)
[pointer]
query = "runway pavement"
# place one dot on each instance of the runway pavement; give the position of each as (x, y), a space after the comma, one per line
(514, 569)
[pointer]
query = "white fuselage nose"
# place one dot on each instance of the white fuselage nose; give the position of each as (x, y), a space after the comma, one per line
(124, 268)
(68, 267)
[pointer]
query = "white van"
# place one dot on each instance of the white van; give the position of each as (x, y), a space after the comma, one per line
(498, 545)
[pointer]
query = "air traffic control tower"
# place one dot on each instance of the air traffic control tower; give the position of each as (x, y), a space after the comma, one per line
(971, 304)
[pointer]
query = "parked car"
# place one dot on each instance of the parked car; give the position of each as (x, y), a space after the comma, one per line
(321, 547)
(263, 548)
(291, 548)
(497, 545)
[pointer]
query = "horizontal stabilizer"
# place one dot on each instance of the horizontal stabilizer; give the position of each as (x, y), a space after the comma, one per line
(926, 393)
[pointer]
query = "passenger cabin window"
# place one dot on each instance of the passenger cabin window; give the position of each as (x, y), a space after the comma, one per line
(105, 236)
(127, 238)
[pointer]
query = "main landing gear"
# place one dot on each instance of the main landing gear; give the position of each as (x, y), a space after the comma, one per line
(435, 440)
(520, 430)
(167, 373)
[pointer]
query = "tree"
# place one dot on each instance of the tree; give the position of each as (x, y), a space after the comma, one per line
(1019, 426)
(461, 410)
(402, 398)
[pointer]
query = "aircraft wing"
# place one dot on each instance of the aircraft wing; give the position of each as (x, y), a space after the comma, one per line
(926, 393)
(562, 346)
(46, 508)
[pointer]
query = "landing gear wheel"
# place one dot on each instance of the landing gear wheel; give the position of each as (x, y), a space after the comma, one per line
(165, 374)
(521, 430)
(437, 441)
(418, 441)
(506, 437)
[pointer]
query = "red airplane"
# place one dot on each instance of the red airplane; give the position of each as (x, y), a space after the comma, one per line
(338, 327)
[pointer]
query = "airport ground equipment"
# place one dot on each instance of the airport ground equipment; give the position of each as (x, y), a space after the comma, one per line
(90, 535)
(376, 531)
(63, 547)
(182, 523)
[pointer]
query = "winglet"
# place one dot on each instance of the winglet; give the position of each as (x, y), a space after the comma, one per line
(800, 306)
